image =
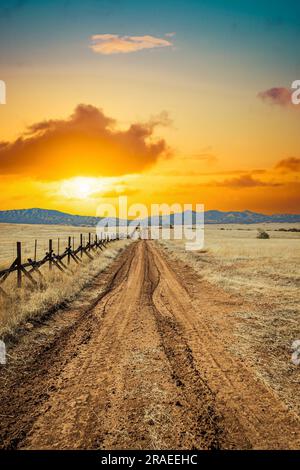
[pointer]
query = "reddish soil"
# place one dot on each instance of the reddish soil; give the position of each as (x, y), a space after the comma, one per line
(137, 362)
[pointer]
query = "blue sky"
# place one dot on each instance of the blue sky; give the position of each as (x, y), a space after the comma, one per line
(258, 28)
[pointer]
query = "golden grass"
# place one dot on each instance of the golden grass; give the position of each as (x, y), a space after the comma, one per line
(11, 233)
(30, 302)
(265, 274)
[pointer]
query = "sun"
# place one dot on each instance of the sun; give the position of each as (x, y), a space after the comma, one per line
(83, 187)
(79, 187)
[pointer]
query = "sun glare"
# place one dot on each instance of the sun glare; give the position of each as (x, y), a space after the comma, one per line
(84, 188)
(80, 188)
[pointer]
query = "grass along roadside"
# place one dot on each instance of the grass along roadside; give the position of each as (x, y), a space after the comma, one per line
(265, 275)
(30, 303)
(27, 234)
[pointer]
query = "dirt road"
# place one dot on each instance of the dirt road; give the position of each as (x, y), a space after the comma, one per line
(139, 365)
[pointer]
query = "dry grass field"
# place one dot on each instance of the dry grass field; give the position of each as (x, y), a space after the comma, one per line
(157, 348)
(29, 302)
(265, 274)
(27, 234)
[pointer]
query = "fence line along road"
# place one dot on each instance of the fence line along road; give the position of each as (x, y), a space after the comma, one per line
(59, 261)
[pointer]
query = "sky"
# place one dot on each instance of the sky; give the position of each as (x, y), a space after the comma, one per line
(165, 102)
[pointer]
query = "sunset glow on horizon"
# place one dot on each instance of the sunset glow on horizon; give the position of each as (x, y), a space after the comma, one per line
(188, 106)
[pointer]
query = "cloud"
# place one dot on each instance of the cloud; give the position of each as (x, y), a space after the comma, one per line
(243, 181)
(115, 44)
(85, 144)
(206, 157)
(290, 164)
(161, 119)
(279, 96)
(114, 193)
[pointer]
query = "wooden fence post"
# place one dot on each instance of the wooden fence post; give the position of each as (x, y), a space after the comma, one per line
(50, 254)
(94, 242)
(19, 264)
(69, 250)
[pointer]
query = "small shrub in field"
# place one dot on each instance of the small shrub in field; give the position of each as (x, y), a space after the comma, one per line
(262, 234)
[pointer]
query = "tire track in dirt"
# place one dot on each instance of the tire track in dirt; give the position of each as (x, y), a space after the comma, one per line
(205, 424)
(38, 358)
(110, 380)
(121, 391)
(254, 416)
(137, 367)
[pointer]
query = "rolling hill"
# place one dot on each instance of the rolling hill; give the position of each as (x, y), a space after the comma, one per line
(53, 217)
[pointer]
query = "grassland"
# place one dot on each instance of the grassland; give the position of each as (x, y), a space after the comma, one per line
(265, 274)
(166, 348)
(27, 234)
(30, 303)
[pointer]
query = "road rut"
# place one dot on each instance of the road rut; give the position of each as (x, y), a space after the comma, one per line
(140, 367)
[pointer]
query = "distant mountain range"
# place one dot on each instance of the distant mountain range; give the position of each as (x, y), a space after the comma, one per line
(52, 217)
(45, 216)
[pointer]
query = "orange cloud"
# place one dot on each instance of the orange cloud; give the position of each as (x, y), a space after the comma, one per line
(115, 44)
(243, 181)
(85, 144)
(114, 193)
(291, 164)
(279, 96)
